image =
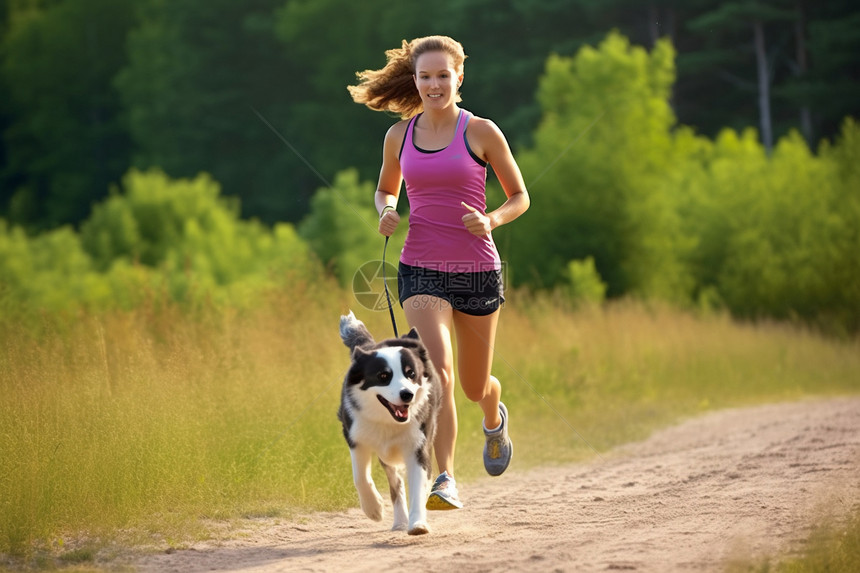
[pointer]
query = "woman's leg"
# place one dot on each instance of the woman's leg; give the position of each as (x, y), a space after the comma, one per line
(476, 337)
(432, 317)
(475, 340)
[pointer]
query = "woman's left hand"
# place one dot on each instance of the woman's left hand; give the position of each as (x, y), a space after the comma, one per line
(477, 223)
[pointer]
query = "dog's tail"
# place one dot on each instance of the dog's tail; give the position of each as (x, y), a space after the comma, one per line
(354, 333)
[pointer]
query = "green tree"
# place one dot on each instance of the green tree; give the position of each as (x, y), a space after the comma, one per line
(831, 84)
(803, 65)
(65, 141)
(779, 227)
(197, 72)
(752, 15)
(48, 272)
(597, 173)
(154, 239)
(327, 42)
(185, 229)
(584, 287)
(775, 235)
(841, 265)
(342, 226)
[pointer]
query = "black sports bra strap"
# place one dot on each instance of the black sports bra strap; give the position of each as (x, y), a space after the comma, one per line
(405, 135)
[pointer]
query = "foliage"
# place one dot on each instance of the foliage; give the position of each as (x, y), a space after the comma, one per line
(50, 271)
(663, 213)
(65, 140)
(669, 214)
(164, 239)
(584, 285)
(96, 87)
(197, 71)
(342, 226)
(597, 169)
(774, 235)
(842, 276)
(328, 41)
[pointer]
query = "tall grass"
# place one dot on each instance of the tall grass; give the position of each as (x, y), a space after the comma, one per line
(833, 547)
(150, 418)
(588, 380)
(147, 421)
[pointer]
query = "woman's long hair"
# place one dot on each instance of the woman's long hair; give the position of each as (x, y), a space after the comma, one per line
(392, 88)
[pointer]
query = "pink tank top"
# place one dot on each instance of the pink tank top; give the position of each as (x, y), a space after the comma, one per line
(436, 182)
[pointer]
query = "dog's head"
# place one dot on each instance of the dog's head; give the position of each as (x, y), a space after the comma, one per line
(385, 381)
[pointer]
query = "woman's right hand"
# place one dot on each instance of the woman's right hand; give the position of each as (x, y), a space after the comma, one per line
(388, 222)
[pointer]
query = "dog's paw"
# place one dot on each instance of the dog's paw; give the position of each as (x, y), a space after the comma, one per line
(372, 506)
(399, 526)
(419, 528)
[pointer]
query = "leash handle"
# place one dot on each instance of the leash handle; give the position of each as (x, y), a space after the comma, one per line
(387, 295)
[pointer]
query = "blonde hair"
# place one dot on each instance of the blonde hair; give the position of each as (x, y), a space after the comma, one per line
(392, 88)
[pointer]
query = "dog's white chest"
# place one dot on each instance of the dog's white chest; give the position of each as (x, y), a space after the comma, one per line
(391, 443)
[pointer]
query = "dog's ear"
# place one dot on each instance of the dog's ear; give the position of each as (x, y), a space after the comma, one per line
(424, 356)
(413, 333)
(355, 375)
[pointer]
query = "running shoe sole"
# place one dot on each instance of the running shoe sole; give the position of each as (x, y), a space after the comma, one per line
(439, 502)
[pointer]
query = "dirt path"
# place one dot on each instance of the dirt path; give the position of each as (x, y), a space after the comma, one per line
(731, 484)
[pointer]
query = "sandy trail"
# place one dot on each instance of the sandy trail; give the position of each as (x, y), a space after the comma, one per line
(731, 484)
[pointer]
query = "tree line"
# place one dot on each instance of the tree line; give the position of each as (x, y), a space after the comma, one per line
(667, 213)
(628, 198)
(94, 87)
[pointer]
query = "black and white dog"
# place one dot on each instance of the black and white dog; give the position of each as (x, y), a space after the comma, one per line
(388, 407)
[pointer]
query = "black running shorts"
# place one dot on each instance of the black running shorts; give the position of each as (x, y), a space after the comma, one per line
(476, 293)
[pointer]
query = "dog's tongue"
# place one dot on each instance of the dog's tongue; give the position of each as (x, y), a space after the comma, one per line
(401, 411)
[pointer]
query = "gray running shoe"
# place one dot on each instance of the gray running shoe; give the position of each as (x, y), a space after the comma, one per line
(498, 449)
(444, 494)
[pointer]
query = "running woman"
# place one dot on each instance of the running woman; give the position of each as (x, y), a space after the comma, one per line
(450, 274)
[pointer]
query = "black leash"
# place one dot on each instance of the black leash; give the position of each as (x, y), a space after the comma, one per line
(388, 296)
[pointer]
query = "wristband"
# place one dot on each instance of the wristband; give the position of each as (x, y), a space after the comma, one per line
(385, 210)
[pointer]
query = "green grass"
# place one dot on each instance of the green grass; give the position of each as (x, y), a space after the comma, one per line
(833, 547)
(143, 426)
(612, 376)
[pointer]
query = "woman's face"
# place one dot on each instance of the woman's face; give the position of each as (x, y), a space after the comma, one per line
(436, 79)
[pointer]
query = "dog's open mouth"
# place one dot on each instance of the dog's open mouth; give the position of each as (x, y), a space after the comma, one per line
(399, 413)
